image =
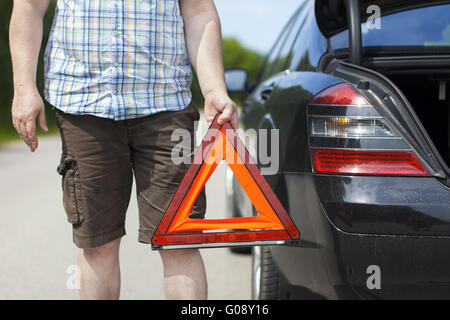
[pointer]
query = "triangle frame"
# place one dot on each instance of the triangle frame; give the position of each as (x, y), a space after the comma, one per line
(272, 226)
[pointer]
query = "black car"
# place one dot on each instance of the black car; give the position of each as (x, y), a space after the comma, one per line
(359, 93)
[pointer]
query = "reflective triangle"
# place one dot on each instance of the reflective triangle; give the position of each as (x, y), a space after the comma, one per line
(271, 224)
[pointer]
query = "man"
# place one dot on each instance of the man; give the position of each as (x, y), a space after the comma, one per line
(119, 73)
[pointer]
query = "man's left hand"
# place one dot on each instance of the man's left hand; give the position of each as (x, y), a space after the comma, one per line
(217, 101)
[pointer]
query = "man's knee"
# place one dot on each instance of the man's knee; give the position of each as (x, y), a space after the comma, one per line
(109, 251)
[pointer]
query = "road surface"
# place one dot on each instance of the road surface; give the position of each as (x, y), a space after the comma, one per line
(36, 249)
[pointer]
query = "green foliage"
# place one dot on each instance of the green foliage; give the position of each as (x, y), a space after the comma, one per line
(5, 63)
(235, 55)
(6, 129)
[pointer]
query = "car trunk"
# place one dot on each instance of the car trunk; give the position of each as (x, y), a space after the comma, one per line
(427, 91)
(417, 108)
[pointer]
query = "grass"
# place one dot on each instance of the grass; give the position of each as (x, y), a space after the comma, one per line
(8, 134)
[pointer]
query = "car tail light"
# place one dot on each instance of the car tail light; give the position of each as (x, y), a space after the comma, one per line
(349, 127)
(349, 137)
(341, 94)
(387, 163)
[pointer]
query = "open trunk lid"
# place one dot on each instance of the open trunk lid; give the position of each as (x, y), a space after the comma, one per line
(332, 17)
(369, 65)
(394, 106)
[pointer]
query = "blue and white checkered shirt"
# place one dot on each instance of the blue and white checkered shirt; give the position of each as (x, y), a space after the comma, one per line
(117, 59)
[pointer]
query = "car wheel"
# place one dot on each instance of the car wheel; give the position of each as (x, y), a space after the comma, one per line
(266, 279)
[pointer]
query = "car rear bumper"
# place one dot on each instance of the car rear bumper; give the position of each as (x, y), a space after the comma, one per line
(406, 267)
(341, 248)
(385, 205)
(369, 267)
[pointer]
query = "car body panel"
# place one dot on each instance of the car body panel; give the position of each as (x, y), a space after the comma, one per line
(289, 118)
(332, 263)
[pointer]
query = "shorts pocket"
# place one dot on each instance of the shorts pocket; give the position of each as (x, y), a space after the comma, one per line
(58, 118)
(194, 112)
(71, 185)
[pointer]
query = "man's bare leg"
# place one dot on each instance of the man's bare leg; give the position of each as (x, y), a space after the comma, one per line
(100, 272)
(184, 275)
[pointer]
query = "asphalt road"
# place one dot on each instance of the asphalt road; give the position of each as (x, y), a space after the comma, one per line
(36, 249)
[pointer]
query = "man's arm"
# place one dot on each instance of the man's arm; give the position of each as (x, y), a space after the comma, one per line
(25, 34)
(204, 44)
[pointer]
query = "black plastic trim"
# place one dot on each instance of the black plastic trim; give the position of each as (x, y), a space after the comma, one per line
(371, 144)
(343, 111)
(354, 35)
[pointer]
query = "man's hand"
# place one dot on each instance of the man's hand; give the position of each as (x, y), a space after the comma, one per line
(26, 108)
(25, 36)
(204, 42)
(217, 101)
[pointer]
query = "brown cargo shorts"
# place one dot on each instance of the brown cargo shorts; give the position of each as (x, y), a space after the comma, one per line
(99, 157)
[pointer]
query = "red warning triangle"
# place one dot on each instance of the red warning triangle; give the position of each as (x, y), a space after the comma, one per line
(271, 225)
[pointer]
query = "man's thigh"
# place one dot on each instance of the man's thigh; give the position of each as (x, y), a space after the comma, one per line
(157, 175)
(96, 177)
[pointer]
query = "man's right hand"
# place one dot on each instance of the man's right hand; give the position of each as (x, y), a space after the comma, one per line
(26, 108)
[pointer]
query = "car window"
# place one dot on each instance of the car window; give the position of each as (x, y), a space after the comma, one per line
(309, 46)
(285, 55)
(284, 43)
(424, 27)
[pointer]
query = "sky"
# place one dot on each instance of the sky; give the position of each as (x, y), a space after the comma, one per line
(256, 23)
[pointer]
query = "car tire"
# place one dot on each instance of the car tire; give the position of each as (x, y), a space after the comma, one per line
(266, 279)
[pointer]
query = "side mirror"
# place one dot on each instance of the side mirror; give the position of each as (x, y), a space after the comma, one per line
(236, 80)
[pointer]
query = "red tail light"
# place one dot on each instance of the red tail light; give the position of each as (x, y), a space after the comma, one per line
(349, 162)
(341, 94)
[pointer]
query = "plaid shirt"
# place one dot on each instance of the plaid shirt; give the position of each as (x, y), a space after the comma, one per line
(117, 59)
